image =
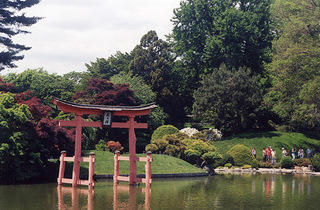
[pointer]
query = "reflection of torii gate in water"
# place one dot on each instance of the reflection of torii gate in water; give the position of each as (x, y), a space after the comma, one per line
(82, 109)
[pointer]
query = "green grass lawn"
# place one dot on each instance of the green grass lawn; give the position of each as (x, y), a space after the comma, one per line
(162, 164)
(275, 139)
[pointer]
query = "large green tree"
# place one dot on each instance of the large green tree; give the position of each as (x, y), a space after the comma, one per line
(154, 61)
(12, 21)
(209, 33)
(230, 100)
(296, 63)
(105, 68)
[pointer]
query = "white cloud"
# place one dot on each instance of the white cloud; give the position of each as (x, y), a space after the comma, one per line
(75, 32)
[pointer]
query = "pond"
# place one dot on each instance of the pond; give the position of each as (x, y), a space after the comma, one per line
(218, 192)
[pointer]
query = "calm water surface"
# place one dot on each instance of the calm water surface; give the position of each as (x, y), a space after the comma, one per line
(218, 192)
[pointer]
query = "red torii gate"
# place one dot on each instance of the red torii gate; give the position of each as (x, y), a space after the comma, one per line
(81, 109)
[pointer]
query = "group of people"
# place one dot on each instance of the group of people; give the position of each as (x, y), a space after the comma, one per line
(270, 155)
(300, 153)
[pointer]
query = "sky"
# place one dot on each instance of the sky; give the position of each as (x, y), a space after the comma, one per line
(75, 32)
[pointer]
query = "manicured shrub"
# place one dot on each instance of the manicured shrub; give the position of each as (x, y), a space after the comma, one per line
(152, 148)
(228, 165)
(227, 158)
(316, 162)
(192, 156)
(212, 158)
(201, 146)
(161, 144)
(194, 149)
(302, 162)
(172, 150)
(101, 146)
(114, 146)
(163, 130)
(254, 164)
(241, 155)
(246, 166)
(286, 162)
(202, 135)
(175, 138)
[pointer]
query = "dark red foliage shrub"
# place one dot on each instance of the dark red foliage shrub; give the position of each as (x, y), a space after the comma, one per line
(37, 110)
(103, 92)
(114, 146)
(6, 87)
(55, 138)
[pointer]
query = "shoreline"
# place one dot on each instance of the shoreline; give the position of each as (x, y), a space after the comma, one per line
(177, 175)
(294, 171)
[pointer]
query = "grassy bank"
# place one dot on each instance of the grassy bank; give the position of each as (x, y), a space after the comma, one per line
(162, 164)
(275, 139)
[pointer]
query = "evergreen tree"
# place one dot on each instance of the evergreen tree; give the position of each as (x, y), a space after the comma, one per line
(230, 100)
(12, 19)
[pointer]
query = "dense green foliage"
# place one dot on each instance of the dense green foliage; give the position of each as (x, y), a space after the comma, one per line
(286, 162)
(163, 130)
(316, 162)
(209, 33)
(230, 100)
(144, 94)
(13, 22)
(241, 155)
(295, 64)
(42, 84)
(27, 141)
(302, 162)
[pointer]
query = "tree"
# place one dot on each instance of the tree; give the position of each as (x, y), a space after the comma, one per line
(27, 142)
(209, 33)
(105, 68)
(103, 92)
(42, 84)
(153, 60)
(144, 94)
(12, 20)
(230, 100)
(295, 64)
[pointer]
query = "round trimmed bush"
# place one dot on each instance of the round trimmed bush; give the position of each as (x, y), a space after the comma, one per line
(227, 158)
(212, 158)
(316, 162)
(246, 166)
(192, 156)
(228, 165)
(163, 130)
(286, 162)
(172, 150)
(161, 144)
(241, 155)
(152, 148)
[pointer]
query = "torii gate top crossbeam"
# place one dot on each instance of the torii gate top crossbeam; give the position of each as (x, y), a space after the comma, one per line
(81, 109)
